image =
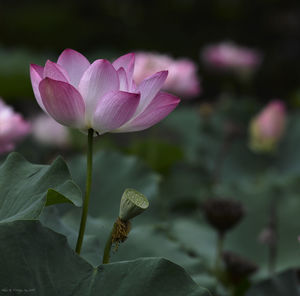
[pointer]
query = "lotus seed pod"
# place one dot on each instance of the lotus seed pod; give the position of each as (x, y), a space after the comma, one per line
(238, 267)
(223, 214)
(133, 203)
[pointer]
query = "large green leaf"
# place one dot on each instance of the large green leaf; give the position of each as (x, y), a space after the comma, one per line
(39, 260)
(185, 125)
(137, 245)
(112, 174)
(160, 155)
(27, 188)
(284, 284)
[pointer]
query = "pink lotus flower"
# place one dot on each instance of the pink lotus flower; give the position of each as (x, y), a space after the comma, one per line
(267, 128)
(48, 132)
(101, 95)
(230, 57)
(13, 128)
(182, 79)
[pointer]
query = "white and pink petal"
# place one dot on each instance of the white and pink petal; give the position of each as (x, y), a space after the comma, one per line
(114, 109)
(99, 79)
(55, 71)
(158, 109)
(127, 62)
(36, 76)
(74, 63)
(149, 88)
(63, 102)
(123, 79)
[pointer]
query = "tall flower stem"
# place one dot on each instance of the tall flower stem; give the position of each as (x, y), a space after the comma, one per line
(86, 201)
(219, 253)
(273, 226)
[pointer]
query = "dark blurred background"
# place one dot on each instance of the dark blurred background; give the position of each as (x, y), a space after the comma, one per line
(34, 30)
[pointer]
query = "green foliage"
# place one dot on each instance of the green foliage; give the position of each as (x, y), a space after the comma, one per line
(256, 180)
(174, 221)
(213, 160)
(27, 188)
(38, 259)
(34, 257)
(159, 155)
(283, 284)
(112, 174)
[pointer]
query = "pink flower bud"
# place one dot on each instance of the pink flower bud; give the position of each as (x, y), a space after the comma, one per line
(48, 132)
(230, 57)
(182, 79)
(13, 128)
(267, 128)
(102, 95)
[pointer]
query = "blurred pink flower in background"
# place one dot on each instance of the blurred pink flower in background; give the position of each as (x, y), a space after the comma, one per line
(182, 79)
(228, 56)
(101, 95)
(13, 127)
(267, 128)
(48, 132)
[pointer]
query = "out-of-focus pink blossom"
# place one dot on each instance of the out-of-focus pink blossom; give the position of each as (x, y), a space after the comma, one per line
(267, 128)
(101, 95)
(227, 56)
(182, 79)
(13, 128)
(48, 132)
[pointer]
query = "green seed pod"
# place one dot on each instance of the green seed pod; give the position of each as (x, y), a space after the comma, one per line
(133, 203)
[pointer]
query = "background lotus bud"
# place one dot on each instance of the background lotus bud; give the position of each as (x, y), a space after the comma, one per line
(267, 128)
(182, 79)
(133, 203)
(227, 56)
(101, 96)
(13, 127)
(223, 214)
(48, 132)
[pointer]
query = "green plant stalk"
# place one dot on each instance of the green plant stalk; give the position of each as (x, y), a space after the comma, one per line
(273, 225)
(107, 249)
(89, 168)
(220, 245)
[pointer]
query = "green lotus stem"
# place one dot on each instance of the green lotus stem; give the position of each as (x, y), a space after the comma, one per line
(273, 226)
(220, 245)
(86, 201)
(107, 249)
